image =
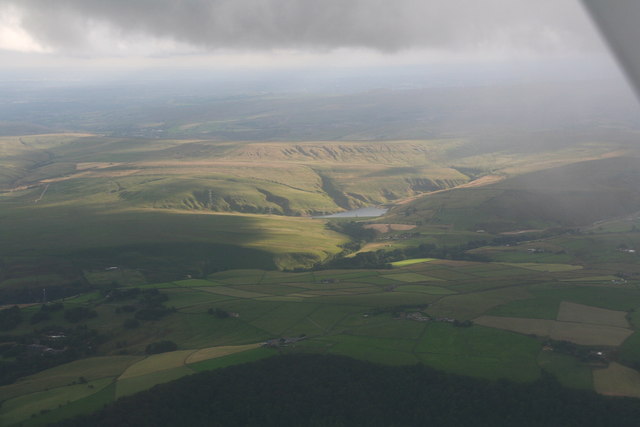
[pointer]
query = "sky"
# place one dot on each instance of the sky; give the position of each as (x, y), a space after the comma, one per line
(121, 34)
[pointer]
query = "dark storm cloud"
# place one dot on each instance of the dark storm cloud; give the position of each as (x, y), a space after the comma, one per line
(385, 25)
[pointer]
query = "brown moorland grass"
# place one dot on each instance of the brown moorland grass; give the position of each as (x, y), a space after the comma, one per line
(578, 333)
(157, 362)
(213, 352)
(585, 334)
(90, 368)
(572, 312)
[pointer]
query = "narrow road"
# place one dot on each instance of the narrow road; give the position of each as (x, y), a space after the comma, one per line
(42, 194)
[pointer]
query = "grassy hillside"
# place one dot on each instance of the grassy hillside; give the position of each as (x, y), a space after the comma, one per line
(286, 178)
(74, 203)
(268, 177)
(64, 241)
(567, 196)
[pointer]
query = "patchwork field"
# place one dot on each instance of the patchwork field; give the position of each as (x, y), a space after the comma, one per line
(73, 387)
(399, 316)
(14, 410)
(91, 369)
(577, 323)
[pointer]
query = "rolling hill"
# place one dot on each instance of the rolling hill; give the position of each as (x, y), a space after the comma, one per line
(572, 195)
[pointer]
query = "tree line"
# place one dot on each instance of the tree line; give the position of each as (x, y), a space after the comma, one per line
(323, 390)
(381, 258)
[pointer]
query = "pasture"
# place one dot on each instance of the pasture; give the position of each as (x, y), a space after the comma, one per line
(569, 371)
(93, 368)
(409, 277)
(571, 312)
(59, 390)
(412, 261)
(535, 308)
(479, 351)
(585, 333)
(14, 410)
(551, 268)
(617, 380)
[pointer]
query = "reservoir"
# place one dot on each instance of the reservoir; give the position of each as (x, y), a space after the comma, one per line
(358, 213)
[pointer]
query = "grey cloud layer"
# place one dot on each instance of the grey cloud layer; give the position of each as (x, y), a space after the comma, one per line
(385, 25)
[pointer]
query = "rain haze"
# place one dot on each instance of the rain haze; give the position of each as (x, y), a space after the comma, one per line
(224, 47)
(106, 54)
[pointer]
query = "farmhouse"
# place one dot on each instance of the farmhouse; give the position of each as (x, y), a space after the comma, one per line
(419, 317)
(280, 342)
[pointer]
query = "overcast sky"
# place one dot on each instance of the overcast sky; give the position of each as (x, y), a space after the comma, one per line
(288, 32)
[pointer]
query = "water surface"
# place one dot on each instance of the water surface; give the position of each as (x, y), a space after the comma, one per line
(357, 213)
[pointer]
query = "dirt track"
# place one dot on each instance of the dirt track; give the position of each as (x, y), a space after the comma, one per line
(480, 182)
(386, 228)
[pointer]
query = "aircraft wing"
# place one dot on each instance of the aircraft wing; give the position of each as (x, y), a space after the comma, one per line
(619, 23)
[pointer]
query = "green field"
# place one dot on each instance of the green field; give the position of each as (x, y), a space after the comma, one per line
(479, 351)
(568, 370)
(15, 409)
(91, 369)
(537, 266)
(406, 262)
(433, 290)
(409, 277)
